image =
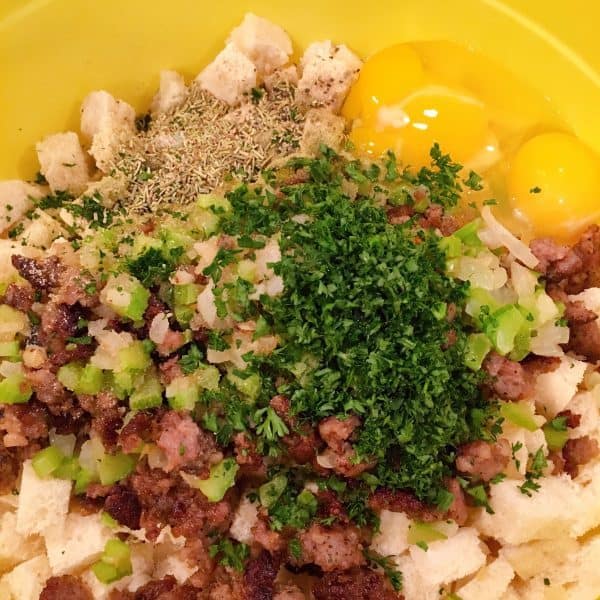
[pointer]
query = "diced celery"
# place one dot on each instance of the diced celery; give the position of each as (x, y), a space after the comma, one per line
(183, 314)
(213, 201)
(185, 294)
(503, 326)
(519, 415)
(114, 467)
(554, 438)
(143, 242)
(12, 321)
(203, 220)
(522, 343)
(65, 443)
(270, 492)
(46, 461)
(108, 521)
(182, 393)
(419, 533)
(248, 384)
(451, 246)
(14, 390)
(467, 234)
(69, 375)
(477, 299)
(221, 478)
(105, 573)
(148, 394)
(10, 350)
(207, 377)
(68, 469)
(91, 380)
(134, 357)
(118, 553)
(478, 346)
(126, 296)
(172, 238)
(123, 383)
(247, 270)
(83, 479)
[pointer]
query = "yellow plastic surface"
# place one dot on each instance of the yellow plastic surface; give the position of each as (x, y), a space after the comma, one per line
(52, 52)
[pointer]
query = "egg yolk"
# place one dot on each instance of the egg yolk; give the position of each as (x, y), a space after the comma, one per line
(554, 184)
(395, 107)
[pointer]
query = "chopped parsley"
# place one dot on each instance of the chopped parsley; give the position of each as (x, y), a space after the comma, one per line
(191, 360)
(230, 554)
(386, 564)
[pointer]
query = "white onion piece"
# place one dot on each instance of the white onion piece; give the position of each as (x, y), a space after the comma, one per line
(326, 460)
(90, 455)
(65, 443)
(548, 339)
(157, 459)
(8, 368)
(206, 305)
(159, 328)
(497, 235)
(523, 280)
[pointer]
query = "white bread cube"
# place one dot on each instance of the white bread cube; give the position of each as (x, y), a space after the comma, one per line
(230, 76)
(328, 71)
(244, 520)
(321, 127)
(14, 547)
(267, 45)
(537, 589)
(176, 566)
(586, 510)
(41, 230)
(288, 74)
(171, 93)
(75, 544)
(392, 539)
(15, 201)
(63, 162)
(413, 585)
(518, 518)
(5, 591)
(585, 405)
(26, 581)
(106, 123)
(491, 582)
(448, 560)
(554, 390)
(43, 503)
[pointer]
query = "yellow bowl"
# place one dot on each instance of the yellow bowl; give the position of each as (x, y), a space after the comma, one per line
(52, 52)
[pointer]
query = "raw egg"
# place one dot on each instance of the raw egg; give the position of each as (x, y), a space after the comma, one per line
(395, 105)
(554, 185)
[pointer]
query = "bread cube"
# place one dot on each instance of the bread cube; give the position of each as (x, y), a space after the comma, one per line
(27, 580)
(43, 503)
(15, 200)
(106, 123)
(491, 582)
(321, 127)
(590, 299)
(63, 162)
(284, 75)
(518, 518)
(392, 538)
(41, 230)
(328, 71)
(555, 389)
(76, 543)
(540, 557)
(448, 560)
(230, 76)
(267, 45)
(413, 584)
(585, 405)
(171, 93)
(176, 566)
(14, 547)
(244, 520)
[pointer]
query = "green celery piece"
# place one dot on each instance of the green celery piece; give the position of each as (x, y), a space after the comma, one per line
(182, 393)
(68, 469)
(478, 298)
(148, 394)
(248, 386)
(419, 533)
(518, 415)
(47, 461)
(69, 375)
(247, 270)
(134, 357)
(185, 294)
(467, 234)
(183, 314)
(91, 380)
(14, 390)
(503, 327)
(138, 296)
(213, 201)
(270, 492)
(82, 480)
(207, 377)
(114, 467)
(555, 439)
(478, 346)
(221, 478)
(105, 572)
(10, 350)
(451, 246)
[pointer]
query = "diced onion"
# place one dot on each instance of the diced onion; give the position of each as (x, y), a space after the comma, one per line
(548, 339)
(326, 460)
(523, 280)
(159, 328)
(496, 235)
